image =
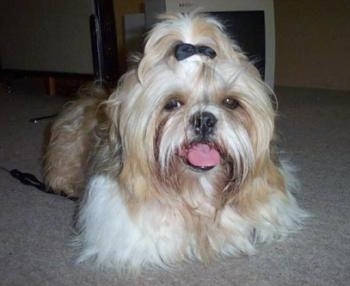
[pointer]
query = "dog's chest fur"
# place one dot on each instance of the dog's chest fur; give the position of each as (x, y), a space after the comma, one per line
(161, 234)
(158, 233)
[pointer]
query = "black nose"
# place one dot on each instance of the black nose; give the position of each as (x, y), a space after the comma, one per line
(203, 123)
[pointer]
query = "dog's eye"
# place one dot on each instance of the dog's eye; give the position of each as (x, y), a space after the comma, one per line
(173, 104)
(230, 103)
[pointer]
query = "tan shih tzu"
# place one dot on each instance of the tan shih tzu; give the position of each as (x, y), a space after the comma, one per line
(176, 164)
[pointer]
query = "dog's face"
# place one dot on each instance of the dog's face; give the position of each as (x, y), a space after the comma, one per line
(195, 117)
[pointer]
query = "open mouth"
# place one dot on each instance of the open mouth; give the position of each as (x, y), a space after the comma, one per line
(202, 156)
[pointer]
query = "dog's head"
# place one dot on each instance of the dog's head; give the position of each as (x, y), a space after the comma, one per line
(193, 107)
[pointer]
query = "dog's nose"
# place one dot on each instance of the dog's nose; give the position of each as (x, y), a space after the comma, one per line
(203, 123)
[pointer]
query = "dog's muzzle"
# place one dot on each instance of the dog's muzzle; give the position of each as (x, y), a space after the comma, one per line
(203, 124)
(202, 153)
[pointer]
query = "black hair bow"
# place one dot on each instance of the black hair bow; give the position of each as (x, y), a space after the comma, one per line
(183, 51)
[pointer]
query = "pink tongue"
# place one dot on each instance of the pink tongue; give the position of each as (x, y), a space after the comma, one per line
(202, 155)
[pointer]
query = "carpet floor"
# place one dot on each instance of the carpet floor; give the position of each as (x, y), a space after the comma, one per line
(35, 228)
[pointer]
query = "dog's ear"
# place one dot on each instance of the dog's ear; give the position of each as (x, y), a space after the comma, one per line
(113, 107)
(108, 116)
(108, 138)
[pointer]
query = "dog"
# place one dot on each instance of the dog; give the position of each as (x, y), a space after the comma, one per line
(177, 163)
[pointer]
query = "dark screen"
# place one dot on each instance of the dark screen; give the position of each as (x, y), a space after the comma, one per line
(247, 28)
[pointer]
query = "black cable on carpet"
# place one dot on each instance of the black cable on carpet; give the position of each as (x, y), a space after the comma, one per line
(30, 180)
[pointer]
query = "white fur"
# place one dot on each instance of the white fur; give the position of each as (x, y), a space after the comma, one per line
(112, 238)
(159, 236)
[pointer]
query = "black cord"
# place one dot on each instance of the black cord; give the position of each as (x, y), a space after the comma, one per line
(37, 119)
(30, 180)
